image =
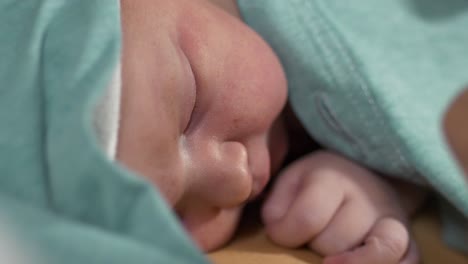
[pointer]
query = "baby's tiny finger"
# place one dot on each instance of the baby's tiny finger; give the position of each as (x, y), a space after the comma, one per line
(308, 214)
(390, 239)
(386, 244)
(284, 192)
(351, 224)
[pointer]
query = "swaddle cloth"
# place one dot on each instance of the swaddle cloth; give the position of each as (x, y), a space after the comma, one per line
(372, 79)
(58, 189)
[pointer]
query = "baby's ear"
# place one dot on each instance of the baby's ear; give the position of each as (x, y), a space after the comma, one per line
(456, 128)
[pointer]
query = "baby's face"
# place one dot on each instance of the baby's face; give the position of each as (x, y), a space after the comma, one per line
(200, 104)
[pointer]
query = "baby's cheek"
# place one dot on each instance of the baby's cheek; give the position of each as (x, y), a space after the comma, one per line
(170, 186)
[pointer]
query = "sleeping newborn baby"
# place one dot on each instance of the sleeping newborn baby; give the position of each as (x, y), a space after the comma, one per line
(204, 88)
(196, 109)
(200, 118)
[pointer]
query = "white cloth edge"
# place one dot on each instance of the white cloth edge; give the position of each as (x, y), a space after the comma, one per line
(106, 115)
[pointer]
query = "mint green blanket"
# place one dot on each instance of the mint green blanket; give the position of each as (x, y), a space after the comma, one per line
(65, 200)
(372, 80)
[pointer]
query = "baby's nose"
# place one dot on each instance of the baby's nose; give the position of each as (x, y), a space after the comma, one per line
(223, 177)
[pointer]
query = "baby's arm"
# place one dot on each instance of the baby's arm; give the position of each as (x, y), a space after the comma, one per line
(342, 211)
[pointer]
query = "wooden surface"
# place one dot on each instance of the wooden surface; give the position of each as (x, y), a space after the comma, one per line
(251, 246)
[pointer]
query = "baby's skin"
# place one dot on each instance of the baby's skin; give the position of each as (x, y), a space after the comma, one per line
(201, 119)
(339, 210)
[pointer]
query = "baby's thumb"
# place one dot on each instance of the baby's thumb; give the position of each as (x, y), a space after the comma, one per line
(284, 192)
(386, 243)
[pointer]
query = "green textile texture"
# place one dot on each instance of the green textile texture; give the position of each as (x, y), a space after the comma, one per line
(57, 189)
(372, 79)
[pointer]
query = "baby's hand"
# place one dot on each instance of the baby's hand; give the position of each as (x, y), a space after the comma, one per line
(342, 211)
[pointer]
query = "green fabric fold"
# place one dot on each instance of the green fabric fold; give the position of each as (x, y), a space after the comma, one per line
(57, 189)
(372, 79)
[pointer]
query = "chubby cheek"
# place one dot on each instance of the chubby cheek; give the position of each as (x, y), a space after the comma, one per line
(170, 188)
(262, 91)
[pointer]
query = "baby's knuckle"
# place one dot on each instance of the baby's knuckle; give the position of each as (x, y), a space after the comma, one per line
(324, 177)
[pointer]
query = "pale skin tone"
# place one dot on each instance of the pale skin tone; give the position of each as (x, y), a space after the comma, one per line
(200, 118)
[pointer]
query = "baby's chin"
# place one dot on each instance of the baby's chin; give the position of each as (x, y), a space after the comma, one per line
(211, 230)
